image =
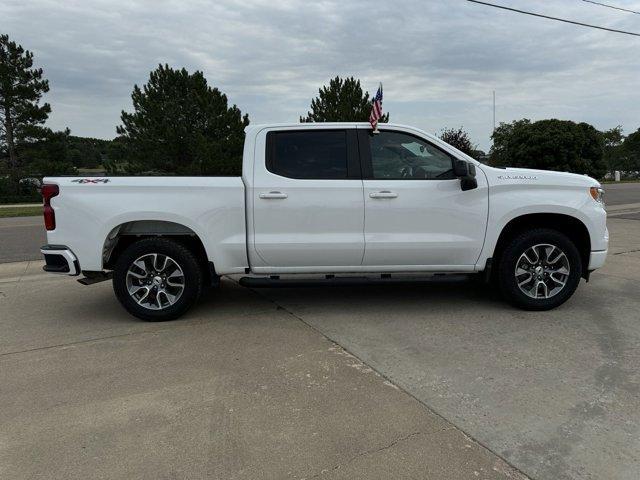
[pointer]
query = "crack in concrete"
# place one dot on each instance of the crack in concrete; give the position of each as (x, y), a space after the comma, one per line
(79, 342)
(366, 453)
(17, 284)
(629, 251)
(168, 328)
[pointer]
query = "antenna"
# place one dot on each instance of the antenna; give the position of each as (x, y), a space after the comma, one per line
(494, 110)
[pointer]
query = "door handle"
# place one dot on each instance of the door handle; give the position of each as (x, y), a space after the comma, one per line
(273, 195)
(383, 194)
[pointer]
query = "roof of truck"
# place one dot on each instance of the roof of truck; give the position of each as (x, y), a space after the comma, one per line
(323, 125)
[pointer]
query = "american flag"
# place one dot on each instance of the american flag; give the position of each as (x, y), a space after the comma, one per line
(376, 109)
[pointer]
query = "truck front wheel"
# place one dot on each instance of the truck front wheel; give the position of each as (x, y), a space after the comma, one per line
(539, 269)
(157, 279)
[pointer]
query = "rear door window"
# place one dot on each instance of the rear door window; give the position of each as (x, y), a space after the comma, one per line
(316, 154)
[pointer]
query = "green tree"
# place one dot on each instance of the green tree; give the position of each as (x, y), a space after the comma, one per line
(49, 155)
(551, 145)
(459, 139)
(613, 140)
(21, 88)
(180, 125)
(341, 101)
(84, 152)
(112, 161)
(631, 153)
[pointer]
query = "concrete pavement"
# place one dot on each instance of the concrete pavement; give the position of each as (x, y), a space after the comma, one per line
(555, 393)
(239, 389)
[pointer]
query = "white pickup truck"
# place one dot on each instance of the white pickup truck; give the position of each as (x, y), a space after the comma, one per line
(328, 201)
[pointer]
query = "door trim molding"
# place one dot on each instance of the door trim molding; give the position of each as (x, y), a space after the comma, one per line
(369, 269)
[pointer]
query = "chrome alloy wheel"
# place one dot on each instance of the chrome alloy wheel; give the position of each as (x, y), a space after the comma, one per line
(542, 271)
(155, 281)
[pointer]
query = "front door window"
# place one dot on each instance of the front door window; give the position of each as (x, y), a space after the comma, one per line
(400, 156)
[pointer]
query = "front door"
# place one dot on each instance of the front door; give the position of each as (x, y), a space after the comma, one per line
(308, 207)
(416, 214)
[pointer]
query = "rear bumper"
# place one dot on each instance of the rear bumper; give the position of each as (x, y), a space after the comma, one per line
(60, 259)
(597, 259)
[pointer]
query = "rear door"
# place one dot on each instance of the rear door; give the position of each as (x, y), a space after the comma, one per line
(416, 214)
(308, 206)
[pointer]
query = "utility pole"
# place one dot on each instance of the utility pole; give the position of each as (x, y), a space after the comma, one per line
(494, 110)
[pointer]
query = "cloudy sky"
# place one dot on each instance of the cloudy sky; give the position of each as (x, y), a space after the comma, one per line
(439, 60)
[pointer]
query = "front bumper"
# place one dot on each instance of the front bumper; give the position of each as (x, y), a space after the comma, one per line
(60, 259)
(597, 259)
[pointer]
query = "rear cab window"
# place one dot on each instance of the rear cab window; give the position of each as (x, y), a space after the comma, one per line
(313, 154)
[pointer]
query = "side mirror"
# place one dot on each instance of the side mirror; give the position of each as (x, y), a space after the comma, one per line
(460, 168)
(467, 174)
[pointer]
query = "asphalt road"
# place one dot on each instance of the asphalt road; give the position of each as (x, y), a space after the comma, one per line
(622, 193)
(246, 386)
(22, 237)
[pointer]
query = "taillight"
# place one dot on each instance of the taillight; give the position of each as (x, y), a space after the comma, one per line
(48, 192)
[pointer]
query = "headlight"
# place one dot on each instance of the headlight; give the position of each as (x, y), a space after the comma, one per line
(597, 193)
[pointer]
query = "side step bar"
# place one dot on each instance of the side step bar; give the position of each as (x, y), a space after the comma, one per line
(95, 277)
(330, 281)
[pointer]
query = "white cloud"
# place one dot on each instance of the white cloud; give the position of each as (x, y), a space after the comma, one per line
(439, 59)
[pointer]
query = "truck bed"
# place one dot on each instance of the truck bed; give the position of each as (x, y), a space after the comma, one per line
(89, 210)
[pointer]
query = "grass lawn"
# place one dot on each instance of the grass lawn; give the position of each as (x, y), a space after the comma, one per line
(628, 180)
(20, 211)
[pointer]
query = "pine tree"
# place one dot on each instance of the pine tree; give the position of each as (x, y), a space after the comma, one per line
(459, 139)
(341, 101)
(21, 88)
(180, 125)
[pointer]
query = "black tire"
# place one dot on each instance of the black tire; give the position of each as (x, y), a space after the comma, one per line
(516, 247)
(190, 275)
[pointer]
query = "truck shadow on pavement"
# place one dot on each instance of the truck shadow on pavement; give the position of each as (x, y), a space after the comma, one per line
(442, 291)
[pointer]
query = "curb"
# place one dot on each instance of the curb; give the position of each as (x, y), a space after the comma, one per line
(622, 209)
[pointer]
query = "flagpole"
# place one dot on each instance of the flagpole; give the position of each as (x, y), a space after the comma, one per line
(380, 87)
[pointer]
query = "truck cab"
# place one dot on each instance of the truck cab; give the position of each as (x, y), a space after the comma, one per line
(340, 200)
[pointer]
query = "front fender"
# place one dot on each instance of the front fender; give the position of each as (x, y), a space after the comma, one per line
(506, 204)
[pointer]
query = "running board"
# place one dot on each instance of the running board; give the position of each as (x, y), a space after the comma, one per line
(95, 277)
(330, 281)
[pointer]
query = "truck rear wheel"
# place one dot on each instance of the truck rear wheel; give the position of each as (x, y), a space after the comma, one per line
(157, 279)
(539, 269)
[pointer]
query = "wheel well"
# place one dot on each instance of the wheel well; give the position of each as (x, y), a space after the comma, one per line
(127, 233)
(566, 224)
